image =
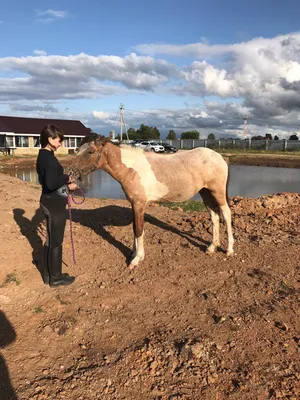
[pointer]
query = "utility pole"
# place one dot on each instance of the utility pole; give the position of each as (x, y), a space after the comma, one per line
(245, 125)
(122, 123)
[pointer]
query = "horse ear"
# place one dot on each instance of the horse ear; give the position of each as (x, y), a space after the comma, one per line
(92, 147)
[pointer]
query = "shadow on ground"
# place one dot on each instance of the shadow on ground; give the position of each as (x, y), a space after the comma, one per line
(99, 218)
(7, 336)
(29, 229)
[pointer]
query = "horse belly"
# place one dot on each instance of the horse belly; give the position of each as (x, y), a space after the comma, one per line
(182, 191)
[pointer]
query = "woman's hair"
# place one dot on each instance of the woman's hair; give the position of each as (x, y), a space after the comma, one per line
(52, 131)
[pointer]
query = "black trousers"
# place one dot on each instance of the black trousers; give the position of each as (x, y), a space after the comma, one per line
(54, 208)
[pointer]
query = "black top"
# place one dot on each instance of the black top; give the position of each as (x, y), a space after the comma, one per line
(50, 172)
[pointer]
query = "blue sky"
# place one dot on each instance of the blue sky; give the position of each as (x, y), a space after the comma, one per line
(173, 64)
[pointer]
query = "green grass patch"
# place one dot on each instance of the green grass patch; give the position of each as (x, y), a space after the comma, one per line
(256, 152)
(10, 278)
(38, 310)
(190, 205)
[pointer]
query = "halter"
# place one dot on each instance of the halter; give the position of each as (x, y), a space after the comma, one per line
(93, 167)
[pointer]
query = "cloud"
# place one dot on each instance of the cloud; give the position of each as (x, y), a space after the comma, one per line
(82, 76)
(24, 107)
(100, 115)
(50, 15)
(260, 77)
(39, 53)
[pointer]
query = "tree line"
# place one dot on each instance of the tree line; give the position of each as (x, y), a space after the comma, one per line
(148, 132)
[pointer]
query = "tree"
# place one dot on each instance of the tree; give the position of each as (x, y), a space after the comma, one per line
(148, 132)
(259, 137)
(211, 136)
(132, 134)
(171, 135)
(293, 137)
(269, 136)
(190, 135)
(276, 137)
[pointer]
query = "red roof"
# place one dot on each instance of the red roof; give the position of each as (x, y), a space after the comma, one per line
(35, 125)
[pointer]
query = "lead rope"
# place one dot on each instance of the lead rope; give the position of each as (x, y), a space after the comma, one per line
(72, 197)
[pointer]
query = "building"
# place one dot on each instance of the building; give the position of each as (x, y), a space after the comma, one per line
(20, 135)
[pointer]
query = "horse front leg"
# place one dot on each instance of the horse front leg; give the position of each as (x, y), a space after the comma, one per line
(138, 253)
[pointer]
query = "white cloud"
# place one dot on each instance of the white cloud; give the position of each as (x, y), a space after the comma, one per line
(50, 15)
(261, 75)
(39, 53)
(101, 115)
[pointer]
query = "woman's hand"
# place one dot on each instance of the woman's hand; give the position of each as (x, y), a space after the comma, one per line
(72, 186)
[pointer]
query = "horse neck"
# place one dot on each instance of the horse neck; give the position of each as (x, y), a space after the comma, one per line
(110, 162)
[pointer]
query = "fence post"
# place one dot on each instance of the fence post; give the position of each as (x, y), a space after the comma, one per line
(181, 144)
(249, 143)
(205, 142)
(219, 143)
(193, 143)
(284, 144)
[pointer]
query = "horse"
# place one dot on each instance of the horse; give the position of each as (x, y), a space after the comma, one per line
(149, 177)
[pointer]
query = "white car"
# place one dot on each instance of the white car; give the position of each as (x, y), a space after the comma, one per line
(151, 146)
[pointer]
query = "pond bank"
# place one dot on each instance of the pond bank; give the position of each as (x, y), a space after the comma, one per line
(266, 160)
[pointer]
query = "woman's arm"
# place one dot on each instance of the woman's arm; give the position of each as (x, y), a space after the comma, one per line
(54, 179)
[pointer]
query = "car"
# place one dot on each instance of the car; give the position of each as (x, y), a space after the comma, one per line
(169, 148)
(150, 146)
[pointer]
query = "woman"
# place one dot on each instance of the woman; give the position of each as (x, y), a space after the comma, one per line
(55, 185)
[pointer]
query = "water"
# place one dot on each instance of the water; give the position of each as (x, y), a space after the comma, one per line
(246, 181)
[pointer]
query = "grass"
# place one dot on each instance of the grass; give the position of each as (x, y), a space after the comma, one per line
(38, 310)
(257, 152)
(10, 278)
(190, 205)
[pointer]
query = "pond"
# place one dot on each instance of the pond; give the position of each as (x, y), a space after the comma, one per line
(246, 181)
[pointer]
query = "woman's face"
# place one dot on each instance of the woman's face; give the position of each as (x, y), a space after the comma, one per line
(54, 143)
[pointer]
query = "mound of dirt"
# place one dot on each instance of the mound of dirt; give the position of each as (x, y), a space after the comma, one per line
(182, 325)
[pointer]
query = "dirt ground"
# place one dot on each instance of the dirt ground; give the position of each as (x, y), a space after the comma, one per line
(182, 325)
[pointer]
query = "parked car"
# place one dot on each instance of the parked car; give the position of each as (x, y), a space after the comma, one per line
(150, 146)
(169, 148)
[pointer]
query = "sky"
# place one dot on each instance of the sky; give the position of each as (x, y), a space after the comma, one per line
(180, 65)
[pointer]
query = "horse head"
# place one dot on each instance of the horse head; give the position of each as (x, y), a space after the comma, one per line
(88, 157)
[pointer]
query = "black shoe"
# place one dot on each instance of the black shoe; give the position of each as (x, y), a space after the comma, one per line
(56, 277)
(45, 270)
(62, 281)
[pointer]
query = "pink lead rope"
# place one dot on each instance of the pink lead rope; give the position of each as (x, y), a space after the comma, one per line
(72, 197)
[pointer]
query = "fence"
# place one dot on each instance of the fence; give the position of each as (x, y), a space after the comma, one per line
(245, 144)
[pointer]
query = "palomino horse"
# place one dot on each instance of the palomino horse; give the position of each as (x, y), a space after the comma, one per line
(148, 177)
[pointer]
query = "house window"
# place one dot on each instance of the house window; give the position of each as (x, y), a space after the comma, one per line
(70, 142)
(9, 141)
(22, 141)
(36, 142)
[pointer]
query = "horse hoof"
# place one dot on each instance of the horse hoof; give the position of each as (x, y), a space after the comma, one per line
(131, 267)
(230, 253)
(210, 250)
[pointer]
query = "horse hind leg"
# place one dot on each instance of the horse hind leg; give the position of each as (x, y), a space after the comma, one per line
(214, 212)
(220, 200)
(138, 252)
(227, 217)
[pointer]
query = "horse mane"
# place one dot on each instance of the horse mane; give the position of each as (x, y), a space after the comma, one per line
(92, 137)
